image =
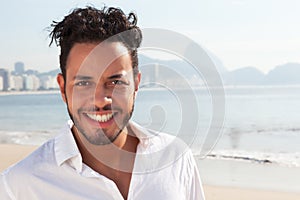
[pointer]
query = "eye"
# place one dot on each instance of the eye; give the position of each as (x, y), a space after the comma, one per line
(115, 83)
(118, 82)
(83, 83)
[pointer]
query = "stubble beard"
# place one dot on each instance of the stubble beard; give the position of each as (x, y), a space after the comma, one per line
(101, 138)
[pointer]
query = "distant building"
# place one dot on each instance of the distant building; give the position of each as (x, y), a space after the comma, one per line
(31, 82)
(48, 83)
(16, 83)
(4, 74)
(19, 68)
(31, 72)
(1, 83)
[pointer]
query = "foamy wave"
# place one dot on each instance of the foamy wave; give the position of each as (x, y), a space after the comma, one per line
(28, 138)
(284, 159)
(280, 131)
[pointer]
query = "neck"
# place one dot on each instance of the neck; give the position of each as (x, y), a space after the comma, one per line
(115, 157)
(114, 161)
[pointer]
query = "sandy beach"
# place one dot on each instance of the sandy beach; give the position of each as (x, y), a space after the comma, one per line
(11, 153)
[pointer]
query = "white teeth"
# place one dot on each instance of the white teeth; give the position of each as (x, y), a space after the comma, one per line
(100, 118)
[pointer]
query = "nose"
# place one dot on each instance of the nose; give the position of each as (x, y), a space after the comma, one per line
(102, 98)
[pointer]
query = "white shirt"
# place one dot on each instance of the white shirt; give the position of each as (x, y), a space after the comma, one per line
(164, 169)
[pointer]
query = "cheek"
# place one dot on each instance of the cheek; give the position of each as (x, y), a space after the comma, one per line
(123, 99)
(75, 99)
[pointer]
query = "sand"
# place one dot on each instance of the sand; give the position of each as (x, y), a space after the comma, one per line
(230, 193)
(10, 154)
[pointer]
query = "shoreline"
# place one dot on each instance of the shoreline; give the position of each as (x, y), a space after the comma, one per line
(12, 153)
(6, 93)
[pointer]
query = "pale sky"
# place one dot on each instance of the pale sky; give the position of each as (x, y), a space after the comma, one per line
(259, 33)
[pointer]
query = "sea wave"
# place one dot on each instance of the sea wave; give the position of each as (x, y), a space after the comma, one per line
(25, 138)
(284, 159)
(280, 131)
(288, 159)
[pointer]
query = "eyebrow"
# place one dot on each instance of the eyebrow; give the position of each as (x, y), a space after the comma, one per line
(116, 76)
(81, 77)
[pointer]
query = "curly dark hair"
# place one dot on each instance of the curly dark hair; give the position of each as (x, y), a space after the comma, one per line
(89, 25)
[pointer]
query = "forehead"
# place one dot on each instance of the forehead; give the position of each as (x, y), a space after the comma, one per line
(98, 59)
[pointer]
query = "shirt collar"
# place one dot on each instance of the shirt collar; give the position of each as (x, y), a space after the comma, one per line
(66, 149)
(144, 135)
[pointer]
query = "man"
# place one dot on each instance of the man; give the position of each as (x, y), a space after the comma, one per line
(101, 154)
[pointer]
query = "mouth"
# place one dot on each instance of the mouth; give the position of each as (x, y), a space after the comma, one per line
(100, 120)
(100, 117)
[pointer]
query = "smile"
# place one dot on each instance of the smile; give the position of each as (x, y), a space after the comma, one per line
(100, 118)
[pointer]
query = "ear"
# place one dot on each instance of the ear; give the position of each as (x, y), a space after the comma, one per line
(61, 82)
(137, 81)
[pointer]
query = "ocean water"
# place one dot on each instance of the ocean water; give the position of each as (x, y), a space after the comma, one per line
(30, 118)
(262, 124)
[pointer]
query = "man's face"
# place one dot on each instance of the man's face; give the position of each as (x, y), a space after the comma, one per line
(99, 90)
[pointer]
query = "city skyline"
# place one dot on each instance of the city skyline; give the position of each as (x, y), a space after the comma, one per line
(26, 79)
(22, 79)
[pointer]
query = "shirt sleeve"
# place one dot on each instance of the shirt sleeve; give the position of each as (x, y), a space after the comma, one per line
(195, 187)
(4, 191)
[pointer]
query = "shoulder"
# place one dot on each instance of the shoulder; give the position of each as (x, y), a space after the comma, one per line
(169, 143)
(170, 151)
(157, 139)
(33, 162)
(17, 178)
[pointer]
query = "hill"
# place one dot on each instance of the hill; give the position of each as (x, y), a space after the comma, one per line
(287, 74)
(244, 76)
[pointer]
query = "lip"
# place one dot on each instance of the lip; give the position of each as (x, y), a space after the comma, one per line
(103, 119)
